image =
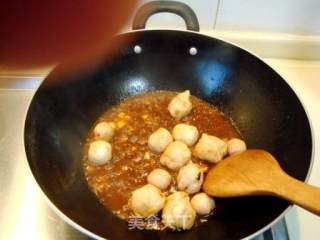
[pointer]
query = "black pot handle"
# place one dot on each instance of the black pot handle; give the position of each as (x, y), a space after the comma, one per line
(179, 8)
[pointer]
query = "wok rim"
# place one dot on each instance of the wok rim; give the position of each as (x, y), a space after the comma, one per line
(85, 231)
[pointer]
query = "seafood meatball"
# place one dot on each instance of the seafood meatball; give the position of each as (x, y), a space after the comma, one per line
(159, 140)
(190, 178)
(210, 148)
(202, 203)
(178, 212)
(176, 155)
(185, 133)
(159, 178)
(236, 145)
(100, 152)
(146, 201)
(104, 130)
(180, 105)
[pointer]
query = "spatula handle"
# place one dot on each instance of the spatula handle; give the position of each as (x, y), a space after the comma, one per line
(299, 193)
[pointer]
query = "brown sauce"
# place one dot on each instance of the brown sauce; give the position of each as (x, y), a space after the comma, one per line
(135, 119)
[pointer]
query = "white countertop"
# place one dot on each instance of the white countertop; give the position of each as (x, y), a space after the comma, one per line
(301, 75)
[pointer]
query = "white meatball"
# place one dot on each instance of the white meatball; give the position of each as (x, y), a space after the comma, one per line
(210, 148)
(185, 133)
(202, 203)
(104, 130)
(100, 152)
(190, 178)
(178, 212)
(180, 105)
(146, 201)
(159, 140)
(159, 178)
(176, 155)
(236, 145)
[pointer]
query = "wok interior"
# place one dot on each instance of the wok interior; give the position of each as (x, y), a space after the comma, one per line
(263, 107)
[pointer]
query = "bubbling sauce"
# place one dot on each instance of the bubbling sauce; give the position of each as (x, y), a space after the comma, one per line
(135, 118)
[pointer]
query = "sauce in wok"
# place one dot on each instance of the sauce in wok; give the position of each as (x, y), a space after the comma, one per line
(135, 118)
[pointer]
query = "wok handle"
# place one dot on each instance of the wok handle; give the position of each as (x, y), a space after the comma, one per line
(179, 8)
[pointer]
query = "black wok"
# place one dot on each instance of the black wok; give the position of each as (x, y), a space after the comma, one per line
(260, 102)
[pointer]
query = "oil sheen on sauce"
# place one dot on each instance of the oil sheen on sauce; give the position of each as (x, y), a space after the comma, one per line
(135, 118)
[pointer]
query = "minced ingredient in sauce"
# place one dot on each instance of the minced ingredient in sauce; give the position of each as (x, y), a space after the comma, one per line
(135, 119)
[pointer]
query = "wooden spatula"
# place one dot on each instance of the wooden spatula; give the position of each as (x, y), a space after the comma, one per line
(257, 172)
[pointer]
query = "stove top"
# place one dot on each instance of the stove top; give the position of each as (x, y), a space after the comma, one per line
(25, 212)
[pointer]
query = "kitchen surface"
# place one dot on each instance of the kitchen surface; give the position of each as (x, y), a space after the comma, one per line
(289, 44)
(26, 214)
